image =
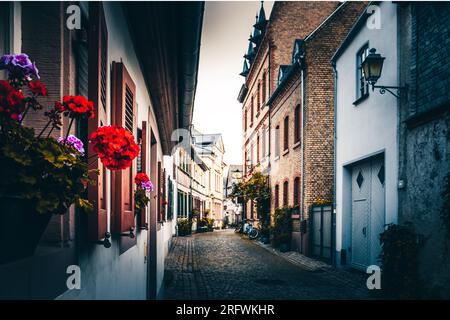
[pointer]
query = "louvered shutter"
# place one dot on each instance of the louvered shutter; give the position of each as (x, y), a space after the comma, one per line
(144, 164)
(97, 72)
(123, 114)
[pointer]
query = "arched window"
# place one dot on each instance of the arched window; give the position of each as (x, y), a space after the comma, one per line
(286, 133)
(297, 124)
(264, 92)
(285, 193)
(297, 191)
(277, 196)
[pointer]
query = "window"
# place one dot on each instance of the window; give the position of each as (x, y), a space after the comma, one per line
(297, 191)
(258, 97)
(285, 193)
(251, 111)
(4, 32)
(124, 114)
(362, 87)
(245, 119)
(264, 87)
(286, 133)
(277, 196)
(263, 144)
(297, 116)
(97, 71)
(277, 141)
(257, 149)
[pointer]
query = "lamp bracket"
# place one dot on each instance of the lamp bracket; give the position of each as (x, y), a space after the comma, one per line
(390, 89)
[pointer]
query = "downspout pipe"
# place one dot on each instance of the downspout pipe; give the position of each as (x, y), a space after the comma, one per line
(333, 220)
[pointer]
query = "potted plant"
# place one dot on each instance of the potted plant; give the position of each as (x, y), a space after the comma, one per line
(184, 227)
(43, 176)
(143, 186)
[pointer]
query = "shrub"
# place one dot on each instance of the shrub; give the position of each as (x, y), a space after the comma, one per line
(282, 227)
(184, 227)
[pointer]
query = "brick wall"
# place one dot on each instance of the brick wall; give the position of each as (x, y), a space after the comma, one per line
(43, 26)
(319, 107)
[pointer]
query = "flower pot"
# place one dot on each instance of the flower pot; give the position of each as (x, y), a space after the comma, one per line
(21, 228)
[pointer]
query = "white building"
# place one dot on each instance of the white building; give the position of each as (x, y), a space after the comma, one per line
(232, 208)
(211, 150)
(124, 58)
(366, 147)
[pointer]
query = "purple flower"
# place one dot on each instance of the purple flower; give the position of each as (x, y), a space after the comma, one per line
(73, 142)
(148, 186)
(19, 66)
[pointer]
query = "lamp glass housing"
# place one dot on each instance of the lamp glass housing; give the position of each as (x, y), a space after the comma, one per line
(372, 66)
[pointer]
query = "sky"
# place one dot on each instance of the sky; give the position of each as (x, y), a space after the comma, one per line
(226, 29)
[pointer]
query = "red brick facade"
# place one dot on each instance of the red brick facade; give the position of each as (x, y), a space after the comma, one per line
(311, 158)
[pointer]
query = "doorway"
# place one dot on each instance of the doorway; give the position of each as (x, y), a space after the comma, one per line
(368, 211)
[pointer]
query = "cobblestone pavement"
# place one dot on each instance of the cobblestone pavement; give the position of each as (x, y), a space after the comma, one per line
(224, 265)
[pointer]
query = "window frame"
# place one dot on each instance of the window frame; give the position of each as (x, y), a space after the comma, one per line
(277, 141)
(297, 124)
(360, 83)
(286, 133)
(285, 193)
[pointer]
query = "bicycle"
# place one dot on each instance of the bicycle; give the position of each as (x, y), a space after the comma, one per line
(251, 231)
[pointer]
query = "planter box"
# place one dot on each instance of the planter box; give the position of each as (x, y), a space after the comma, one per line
(21, 228)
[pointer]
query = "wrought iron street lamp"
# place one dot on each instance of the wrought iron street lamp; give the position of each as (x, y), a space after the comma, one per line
(372, 67)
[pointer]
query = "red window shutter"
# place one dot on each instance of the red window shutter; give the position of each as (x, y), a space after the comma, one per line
(163, 213)
(159, 191)
(144, 163)
(123, 114)
(98, 64)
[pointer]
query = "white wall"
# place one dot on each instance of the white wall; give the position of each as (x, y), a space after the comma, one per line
(368, 127)
(106, 274)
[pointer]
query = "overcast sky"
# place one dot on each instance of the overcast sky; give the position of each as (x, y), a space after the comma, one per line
(226, 29)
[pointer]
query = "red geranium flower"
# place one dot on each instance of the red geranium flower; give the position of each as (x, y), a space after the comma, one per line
(12, 101)
(38, 88)
(78, 106)
(115, 146)
(141, 177)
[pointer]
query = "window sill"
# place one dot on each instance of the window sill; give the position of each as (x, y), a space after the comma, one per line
(285, 152)
(361, 99)
(276, 158)
(297, 144)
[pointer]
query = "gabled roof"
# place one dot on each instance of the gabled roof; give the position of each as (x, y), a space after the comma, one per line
(361, 22)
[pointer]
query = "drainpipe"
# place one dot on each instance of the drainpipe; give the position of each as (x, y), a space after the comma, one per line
(302, 97)
(333, 220)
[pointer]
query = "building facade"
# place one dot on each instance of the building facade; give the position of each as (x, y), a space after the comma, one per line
(210, 150)
(366, 142)
(301, 116)
(270, 46)
(120, 252)
(232, 206)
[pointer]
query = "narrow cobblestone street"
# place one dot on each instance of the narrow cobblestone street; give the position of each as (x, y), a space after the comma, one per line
(223, 265)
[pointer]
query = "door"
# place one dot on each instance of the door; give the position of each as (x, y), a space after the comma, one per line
(367, 211)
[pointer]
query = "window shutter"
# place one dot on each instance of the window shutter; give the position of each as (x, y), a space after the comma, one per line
(97, 56)
(123, 114)
(144, 164)
(159, 192)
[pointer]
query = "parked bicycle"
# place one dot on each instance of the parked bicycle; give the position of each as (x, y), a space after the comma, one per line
(248, 229)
